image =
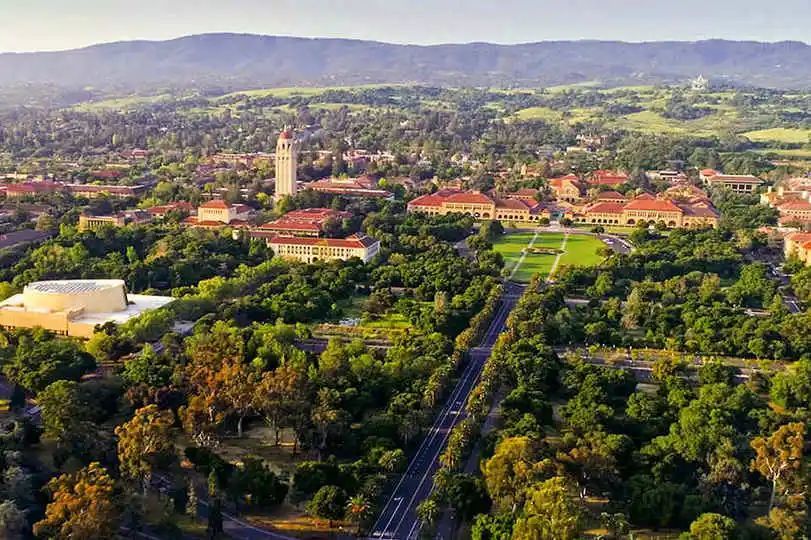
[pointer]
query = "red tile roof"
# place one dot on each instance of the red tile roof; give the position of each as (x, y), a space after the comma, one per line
(513, 204)
(608, 178)
(605, 208)
(795, 205)
(799, 237)
(469, 198)
(653, 205)
(610, 195)
(354, 241)
(216, 203)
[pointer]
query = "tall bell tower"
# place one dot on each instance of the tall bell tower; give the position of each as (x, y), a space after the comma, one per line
(286, 163)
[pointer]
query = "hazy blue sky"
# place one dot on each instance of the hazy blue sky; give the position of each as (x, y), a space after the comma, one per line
(27, 25)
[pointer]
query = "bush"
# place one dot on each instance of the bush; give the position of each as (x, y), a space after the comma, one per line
(328, 503)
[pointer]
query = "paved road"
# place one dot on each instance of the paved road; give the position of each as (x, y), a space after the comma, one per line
(398, 519)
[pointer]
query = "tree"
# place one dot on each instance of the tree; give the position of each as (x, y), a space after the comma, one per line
(712, 527)
(142, 441)
(281, 395)
(238, 390)
(328, 503)
(358, 509)
(62, 408)
(327, 416)
(12, 521)
(510, 471)
(36, 364)
(549, 513)
(428, 512)
(83, 504)
(779, 457)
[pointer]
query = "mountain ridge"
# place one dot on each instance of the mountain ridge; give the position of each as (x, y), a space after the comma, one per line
(258, 60)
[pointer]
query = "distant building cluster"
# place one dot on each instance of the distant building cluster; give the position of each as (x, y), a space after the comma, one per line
(792, 198)
(681, 205)
(90, 191)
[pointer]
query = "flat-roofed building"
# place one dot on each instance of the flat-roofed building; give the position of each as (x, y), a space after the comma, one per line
(737, 183)
(363, 186)
(88, 222)
(92, 191)
(219, 213)
(75, 307)
(308, 249)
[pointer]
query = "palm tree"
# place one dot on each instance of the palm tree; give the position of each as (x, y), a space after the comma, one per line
(358, 509)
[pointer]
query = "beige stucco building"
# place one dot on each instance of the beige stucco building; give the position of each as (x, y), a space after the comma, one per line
(286, 164)
(308, 249)
(75, 307)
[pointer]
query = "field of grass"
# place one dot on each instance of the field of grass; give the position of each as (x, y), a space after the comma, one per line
(784, 135)
(579, 250)
(538, 113)
(120, 103)
(304, 91)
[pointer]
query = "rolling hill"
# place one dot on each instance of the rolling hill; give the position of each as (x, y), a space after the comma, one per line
(240, 61)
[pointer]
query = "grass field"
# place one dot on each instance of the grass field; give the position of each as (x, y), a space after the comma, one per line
(578, 250)
(785, 135)
(538, 113)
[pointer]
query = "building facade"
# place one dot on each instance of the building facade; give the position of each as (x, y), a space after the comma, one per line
(219, 213)
(308, 249)
(798, 245)
(737, 183)
(478, 205)
(649, 209)
(128, 217)
(286, 164)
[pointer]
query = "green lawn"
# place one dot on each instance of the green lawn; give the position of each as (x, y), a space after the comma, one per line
(538, 113)
(785, 135)
(579, 250)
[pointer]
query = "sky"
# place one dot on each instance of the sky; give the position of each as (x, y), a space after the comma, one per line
(36, 25)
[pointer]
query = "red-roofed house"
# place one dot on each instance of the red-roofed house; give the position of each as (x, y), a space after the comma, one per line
(26, 189)
(798, 245)
(647, 208)
(795, 210)
(608, 178)
(179, 206)
(478, 205)
(611, 196)
(306, 222)
(309, 250)
(567, 188)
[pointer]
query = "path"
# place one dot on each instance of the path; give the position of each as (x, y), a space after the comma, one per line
(398, 519)
(524, 254)
(557, 259)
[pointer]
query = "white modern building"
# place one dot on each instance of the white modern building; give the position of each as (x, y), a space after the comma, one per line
(75, 307)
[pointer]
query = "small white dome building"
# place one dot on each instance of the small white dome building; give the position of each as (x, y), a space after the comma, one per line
(75, 307)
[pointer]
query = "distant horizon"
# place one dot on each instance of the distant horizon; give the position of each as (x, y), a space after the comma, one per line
(438, 44)
(51, 26)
